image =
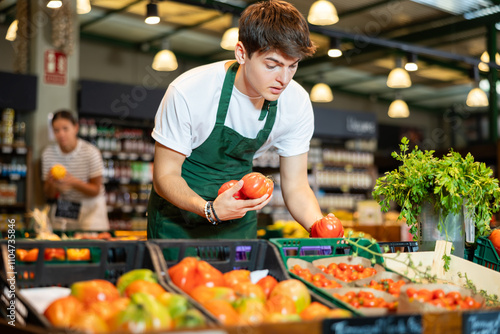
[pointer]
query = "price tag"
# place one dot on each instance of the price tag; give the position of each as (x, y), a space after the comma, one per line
(481, 323)
(21, 150)
(376, 325)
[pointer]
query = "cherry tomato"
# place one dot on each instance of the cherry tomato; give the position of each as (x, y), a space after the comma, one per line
(257, 185)
(455, 295)
(229, 184)
(438, 294)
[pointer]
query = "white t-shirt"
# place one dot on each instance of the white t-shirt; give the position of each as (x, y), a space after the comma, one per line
(84, 163)
(187, 114)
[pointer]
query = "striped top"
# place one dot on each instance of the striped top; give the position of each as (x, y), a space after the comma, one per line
(84, 163)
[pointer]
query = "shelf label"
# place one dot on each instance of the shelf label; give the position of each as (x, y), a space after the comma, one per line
(481, 323)
(6, 149)
(21, 150)
(376, 325)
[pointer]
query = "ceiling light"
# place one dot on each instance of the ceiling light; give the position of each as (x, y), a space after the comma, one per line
(165, 60)
(54, 4)
(322, 93)
(322, 13)
(83, 6)
(477, 98)
(230, 39)
(411, 63)
(398, 109)
(152, 14)
(12, 31)
(334, 50)
(398, 78)
(485, 59)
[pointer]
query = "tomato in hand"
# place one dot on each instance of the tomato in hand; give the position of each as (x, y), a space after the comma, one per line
(230, 184)
(495, 240)
(327, 227)
(257, 185)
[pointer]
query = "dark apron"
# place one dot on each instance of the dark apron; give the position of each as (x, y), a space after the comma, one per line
(225, 155)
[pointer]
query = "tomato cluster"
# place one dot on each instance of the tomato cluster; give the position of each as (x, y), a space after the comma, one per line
(387, 285)
(452, 300)
(318, 279)
(54, 254)
(348, 272)
(365, 299)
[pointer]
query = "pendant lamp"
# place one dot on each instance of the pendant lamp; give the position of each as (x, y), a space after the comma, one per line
(152, 16)
(83, 6)
(485, 59)
(398, 78)
(165, 60)
(398, 109)
(476, 97)
(334, 51)
(12, 31)
(321, 93)
(230, 39)
(322, 13)
(411, 63)
(54, 4)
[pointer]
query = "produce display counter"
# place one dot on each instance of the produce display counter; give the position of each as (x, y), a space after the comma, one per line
(110, 259)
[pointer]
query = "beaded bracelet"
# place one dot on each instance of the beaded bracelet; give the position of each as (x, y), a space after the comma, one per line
(208, 213)
(213, 211)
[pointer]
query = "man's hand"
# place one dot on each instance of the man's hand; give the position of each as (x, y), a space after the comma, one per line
(227, 207)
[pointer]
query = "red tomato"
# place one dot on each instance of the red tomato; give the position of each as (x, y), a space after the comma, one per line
(229, 184)
(148, 287)
(54, 254)
(62, 311)
(235, 277)
(329, 227)
(94, 290)
(182, 274)
(208, 275)
(267, 284)
(257, 185)
(495, 240)
(281, 304)
(438, 294)
(315, 310)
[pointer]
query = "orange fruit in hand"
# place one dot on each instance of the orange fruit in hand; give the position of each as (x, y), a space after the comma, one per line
(58, 171)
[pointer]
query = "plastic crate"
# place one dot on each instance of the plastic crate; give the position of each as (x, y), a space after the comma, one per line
(486, 255)
(109, 260)
(311, 249)
(401, 246)
(227, 255)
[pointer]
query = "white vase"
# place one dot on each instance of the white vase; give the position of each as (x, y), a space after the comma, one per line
(452, 229)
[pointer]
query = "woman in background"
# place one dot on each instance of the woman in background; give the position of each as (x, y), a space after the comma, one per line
(79, 198)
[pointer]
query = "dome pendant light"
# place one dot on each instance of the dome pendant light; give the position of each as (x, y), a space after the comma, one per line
(321, 93)
(230, 39)
(54, 4)
(12, 31)
(322, 13)
(476, 97)
(83, 6)
(165, 60)
(398, 109)
(398, 77)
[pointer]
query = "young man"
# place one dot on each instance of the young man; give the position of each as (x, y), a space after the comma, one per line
(213, 121)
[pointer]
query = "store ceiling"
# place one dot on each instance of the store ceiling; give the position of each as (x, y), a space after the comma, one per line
(448, 35)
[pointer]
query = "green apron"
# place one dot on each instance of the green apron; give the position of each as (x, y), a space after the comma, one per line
(225, 155)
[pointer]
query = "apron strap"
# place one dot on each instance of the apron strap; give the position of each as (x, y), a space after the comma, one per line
(227, 90)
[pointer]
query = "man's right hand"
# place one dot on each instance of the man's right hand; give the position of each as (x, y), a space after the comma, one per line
(227, 207)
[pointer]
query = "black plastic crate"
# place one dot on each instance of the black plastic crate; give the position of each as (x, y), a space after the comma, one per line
(227, 255)
(401, 246)
(109, 260)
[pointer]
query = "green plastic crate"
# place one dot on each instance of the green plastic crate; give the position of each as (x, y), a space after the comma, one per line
(486, 255)
(310, 249)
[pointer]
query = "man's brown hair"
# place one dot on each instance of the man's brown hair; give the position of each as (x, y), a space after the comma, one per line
(275, 25)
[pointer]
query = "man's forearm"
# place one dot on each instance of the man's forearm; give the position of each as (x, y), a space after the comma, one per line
(175, 189)
(303, 206)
